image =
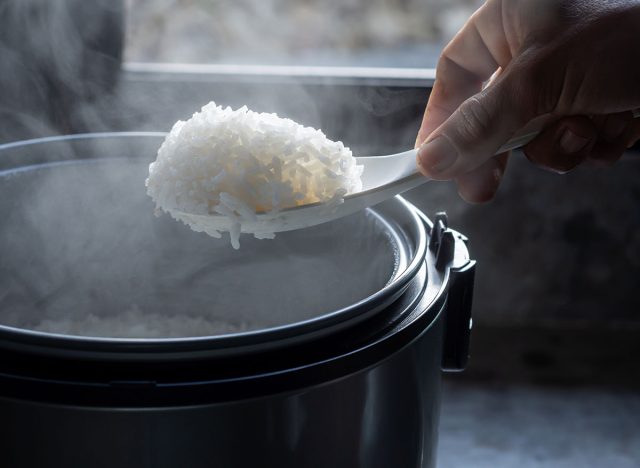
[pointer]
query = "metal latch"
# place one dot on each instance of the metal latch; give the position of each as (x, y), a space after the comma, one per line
(442, 241)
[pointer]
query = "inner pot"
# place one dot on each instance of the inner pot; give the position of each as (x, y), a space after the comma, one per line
(83, 255)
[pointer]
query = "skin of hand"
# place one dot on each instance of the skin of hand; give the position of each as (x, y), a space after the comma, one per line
(572, 64)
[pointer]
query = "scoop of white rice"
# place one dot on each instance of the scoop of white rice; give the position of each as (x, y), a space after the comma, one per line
(235, 164)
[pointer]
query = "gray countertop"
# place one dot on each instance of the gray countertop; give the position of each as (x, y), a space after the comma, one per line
(526, 426)
(561, 397)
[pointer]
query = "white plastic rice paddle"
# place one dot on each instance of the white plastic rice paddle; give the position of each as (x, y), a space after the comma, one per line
(383, 178)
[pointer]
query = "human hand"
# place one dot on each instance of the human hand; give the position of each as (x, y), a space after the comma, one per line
(572, 64)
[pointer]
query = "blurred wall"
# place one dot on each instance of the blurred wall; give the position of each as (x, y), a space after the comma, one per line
(290, 31)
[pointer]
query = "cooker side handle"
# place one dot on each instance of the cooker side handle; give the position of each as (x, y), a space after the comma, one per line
(451, 253)
(458, 321)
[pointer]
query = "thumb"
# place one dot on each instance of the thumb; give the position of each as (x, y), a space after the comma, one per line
(477, 129)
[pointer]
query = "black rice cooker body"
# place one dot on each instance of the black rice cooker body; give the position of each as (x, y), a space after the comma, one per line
(365, 394)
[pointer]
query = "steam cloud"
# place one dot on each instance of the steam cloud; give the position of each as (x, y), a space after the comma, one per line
(56, 57)
(80, 241)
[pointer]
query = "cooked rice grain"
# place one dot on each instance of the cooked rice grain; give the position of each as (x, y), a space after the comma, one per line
(234, 164)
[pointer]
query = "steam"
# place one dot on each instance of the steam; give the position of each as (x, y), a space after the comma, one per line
(84, 254)
(60, 60)
(77, 240)
(57, 58)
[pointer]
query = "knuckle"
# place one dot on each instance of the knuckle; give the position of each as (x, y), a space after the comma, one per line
(475, 121)
(534, 84)
(529, 91)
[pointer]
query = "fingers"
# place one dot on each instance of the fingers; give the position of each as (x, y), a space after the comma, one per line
(481, 184)
(570, 141)
(478, 127)
(466, 63)
(563, 145)
(612, 139)
(560, 147)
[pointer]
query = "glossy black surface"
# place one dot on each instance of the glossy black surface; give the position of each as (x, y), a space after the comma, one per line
(385, 416)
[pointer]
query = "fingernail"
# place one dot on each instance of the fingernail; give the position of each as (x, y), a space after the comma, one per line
(572, 143)
(613, 128)
(437, 155)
